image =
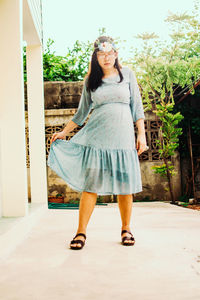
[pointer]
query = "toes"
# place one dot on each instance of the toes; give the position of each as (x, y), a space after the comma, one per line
(128, 241)
(77, 245)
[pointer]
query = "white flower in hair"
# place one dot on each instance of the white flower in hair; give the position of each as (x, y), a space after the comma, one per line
(105, 46)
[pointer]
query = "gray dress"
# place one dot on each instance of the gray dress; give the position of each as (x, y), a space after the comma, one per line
(101, 157)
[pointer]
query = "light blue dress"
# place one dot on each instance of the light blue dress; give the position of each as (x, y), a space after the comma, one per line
(101, 157)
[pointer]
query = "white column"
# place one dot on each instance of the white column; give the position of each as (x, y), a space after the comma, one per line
(36, 123)
(12, 119)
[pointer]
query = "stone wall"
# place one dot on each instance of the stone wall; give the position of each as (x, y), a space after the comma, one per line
(60, 94)
(61, 98)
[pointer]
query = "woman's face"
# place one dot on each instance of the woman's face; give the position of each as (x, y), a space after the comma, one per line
(106, 59)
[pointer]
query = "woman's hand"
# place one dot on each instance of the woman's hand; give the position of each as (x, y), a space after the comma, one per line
(58, 135)
(141, 143)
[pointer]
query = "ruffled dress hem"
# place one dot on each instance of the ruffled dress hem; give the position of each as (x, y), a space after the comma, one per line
(90, 166)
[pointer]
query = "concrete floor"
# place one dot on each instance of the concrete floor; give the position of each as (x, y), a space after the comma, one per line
(163, 264)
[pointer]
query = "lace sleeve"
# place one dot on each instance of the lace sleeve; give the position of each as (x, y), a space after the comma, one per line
(84, 107)
(136, 104)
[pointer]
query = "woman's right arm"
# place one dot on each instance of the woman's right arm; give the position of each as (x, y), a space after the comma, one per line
(62, 134)
(84, 108)
(69, 127)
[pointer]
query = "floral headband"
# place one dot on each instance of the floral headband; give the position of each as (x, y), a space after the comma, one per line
(105, 46)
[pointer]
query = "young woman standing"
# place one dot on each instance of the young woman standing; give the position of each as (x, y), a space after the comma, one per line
(102, 158)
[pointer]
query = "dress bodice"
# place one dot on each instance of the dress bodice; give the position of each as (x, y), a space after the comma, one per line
(112, 91)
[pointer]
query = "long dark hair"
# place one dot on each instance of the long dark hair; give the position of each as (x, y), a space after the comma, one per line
(95, 73)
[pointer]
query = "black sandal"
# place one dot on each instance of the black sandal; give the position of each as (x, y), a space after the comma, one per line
(77, 242)
(125, 238)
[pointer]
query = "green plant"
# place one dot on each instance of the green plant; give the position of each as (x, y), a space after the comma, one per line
(163, 70)
(184, 198)
(75, 201)
(58, 195)
(100, 199)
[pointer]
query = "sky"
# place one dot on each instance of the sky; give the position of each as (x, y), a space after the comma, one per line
(66, 21)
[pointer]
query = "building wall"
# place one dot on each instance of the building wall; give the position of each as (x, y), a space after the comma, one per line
(0, 180)
(36, 11)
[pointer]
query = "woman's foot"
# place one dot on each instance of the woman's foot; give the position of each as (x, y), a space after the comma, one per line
(127, 237)
(80, 237)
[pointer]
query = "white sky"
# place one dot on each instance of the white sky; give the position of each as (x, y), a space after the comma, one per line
(66, 21)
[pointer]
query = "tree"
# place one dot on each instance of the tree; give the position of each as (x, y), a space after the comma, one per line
(163, 69)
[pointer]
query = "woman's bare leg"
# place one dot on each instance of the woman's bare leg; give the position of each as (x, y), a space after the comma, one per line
(86, 207)
(125, 203)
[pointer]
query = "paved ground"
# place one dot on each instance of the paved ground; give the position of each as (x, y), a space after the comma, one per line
(163, 264)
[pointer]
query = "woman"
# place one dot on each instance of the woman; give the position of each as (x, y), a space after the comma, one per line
(102, 158)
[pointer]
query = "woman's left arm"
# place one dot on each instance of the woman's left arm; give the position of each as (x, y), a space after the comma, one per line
(141, 137)
(137, 112)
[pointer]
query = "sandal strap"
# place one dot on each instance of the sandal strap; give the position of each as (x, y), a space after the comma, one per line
(123, 231)
(77, 242)
(80, 234)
